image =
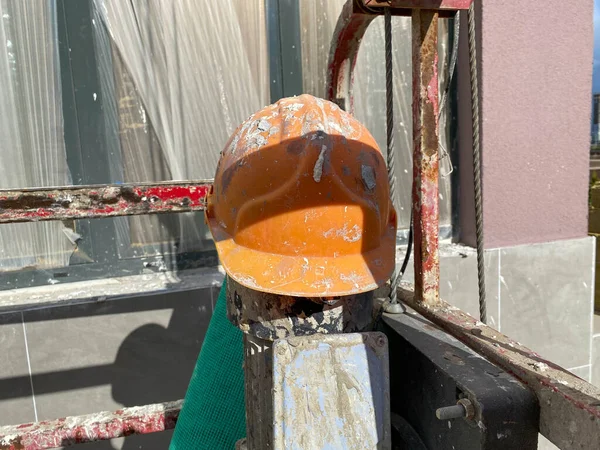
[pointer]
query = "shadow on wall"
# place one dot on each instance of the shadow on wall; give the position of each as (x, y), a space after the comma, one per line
(154, 364)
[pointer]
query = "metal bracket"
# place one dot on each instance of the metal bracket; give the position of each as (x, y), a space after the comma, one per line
(331, 391)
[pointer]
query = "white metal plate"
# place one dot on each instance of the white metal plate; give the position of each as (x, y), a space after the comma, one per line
(331, 392)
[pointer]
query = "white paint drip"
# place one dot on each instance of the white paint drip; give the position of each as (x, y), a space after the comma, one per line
(318, 170)
(334, 126)
(245, 280)
(540, 366)
(352, 278)
(353, 234)
(294, 107)
(35, 413)
(264, 125)
(325, 284)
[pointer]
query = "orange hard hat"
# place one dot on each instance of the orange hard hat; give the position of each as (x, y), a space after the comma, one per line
(300, 205)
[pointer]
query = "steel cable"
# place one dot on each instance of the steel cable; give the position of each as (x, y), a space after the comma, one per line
(477, 162)
(391, 163)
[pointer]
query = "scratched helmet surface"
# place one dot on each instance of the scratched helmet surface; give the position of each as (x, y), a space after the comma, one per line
(300, 204)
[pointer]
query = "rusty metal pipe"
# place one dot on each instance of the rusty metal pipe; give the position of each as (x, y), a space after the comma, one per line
(450, 5)
(425, 155)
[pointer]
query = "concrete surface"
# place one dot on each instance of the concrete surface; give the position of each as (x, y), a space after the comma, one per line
(97, 291)
(19, 407)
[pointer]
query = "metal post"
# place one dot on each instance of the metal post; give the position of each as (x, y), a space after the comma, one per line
(425, 156)
(284, 335)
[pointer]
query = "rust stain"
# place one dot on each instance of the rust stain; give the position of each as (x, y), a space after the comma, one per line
(451, 5)
(347, 36)
(425, 161)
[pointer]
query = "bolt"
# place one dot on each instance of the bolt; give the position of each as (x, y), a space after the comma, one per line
(463, 408)
(394, 308)
(451, 412)
(381, 341)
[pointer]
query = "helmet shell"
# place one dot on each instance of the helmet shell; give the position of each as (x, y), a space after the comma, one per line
(300, 204)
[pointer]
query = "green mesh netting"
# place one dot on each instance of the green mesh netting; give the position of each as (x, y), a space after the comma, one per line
(213, 414)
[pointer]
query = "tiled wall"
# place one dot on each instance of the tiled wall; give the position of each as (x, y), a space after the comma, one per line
(540, 294)
(96, 357)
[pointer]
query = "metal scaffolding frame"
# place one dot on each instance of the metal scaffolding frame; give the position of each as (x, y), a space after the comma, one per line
(564, 399)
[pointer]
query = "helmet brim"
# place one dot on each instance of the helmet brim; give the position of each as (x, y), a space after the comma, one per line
(305, 276)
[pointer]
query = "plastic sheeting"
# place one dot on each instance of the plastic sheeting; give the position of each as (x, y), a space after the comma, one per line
(318, 20)
(32, 148)
(184, 75)
(177, 77)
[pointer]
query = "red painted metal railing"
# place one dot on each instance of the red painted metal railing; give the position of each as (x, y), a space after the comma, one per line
(351, 27)
(92, 202)
(89, 428)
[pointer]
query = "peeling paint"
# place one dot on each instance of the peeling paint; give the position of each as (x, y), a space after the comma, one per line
(90, 428)
(368, 177)
(245, 280)
(271, 316)
(352, 234)
(264, 125)
(337, 379)
(294, 107)
(318, 169)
